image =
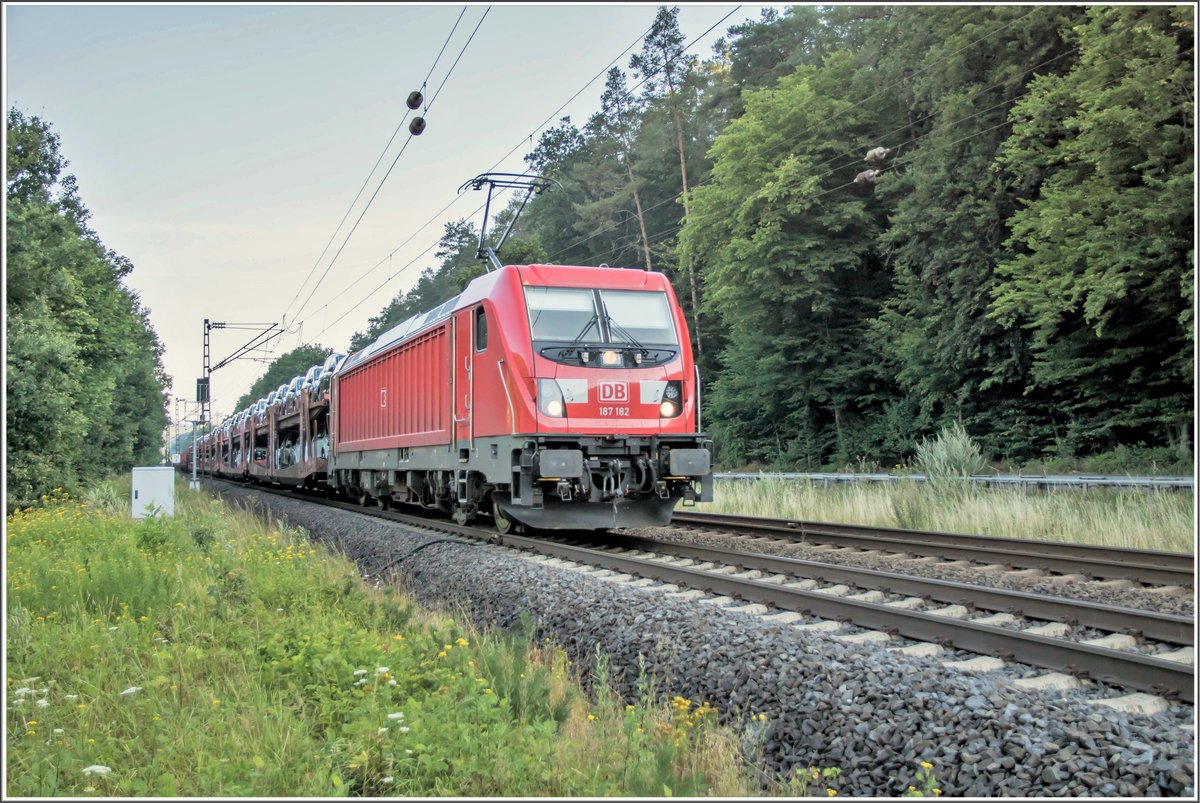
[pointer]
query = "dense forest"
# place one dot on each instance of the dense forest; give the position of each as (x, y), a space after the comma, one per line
(884, 219)
(85, 381)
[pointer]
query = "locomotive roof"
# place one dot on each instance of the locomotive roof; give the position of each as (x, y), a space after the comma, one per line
(481, 287)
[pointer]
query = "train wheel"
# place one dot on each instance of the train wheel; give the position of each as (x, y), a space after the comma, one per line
(504, 525)
(364, 499)
(385, 503)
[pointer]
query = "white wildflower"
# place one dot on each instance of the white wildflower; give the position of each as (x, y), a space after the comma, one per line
(379, 670)
(130, 690)
(279, 610)
(358, 673)
(404, 729)
(58, 731)
(408, 752)
(388, 779)
(383, 730)
(396, 715)
(111, 629)
(33, 679)
(392, 682)
(43, 703)
(21, 692)
(71, 696)
(97, 769)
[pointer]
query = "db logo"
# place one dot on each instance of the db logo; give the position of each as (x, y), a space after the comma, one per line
(614, 391)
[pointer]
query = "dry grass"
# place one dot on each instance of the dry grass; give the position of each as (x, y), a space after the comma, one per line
(1162, 521)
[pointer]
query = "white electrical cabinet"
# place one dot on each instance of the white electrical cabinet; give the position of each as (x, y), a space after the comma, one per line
(153, 488)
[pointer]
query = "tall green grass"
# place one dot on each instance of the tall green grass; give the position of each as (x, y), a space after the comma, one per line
(214, 655)
(1151, 520)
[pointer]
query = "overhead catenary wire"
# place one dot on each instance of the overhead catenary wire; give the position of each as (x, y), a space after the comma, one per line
(367, 180)
(455, 200)
(391, 167)
(500, 161)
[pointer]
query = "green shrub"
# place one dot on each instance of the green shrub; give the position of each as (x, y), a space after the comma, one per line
(950, 458)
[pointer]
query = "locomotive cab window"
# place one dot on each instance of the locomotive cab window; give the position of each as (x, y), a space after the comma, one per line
(637, 316)
(561, 313)
(602, 328)
(480, 329)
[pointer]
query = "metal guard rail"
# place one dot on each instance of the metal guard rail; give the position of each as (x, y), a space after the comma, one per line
(1022, 480)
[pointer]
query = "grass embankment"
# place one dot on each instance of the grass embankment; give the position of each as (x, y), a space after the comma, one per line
(1141, 520)
(211, 654)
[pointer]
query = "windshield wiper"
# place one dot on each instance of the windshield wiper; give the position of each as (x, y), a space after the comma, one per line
(613, 326)
(579, 339)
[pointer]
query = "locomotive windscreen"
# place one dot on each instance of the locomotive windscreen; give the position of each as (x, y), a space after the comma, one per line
(640, 315)
(600, 316)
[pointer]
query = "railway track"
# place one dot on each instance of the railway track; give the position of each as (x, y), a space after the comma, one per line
(1144, 651)
(1096, 562)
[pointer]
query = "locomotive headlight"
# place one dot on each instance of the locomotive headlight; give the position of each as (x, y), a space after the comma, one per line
(610, 358)
(672, 403)
(550, 398)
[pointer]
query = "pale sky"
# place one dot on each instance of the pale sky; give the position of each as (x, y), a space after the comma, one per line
(218, 146)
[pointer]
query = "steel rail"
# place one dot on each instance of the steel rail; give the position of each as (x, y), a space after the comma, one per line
(1147, 566)
(1148, 624)
(1119, 668)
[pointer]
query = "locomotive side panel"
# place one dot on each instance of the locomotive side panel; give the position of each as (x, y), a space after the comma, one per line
(400, 398)
(504, 376)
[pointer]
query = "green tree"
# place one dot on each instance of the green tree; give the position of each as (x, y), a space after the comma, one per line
(954, 72)
(1104, 270)
(617, 124)
(791, 269)
(86, 386)
(664, 66)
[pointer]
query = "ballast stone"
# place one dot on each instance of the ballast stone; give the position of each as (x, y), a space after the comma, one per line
(875, 713)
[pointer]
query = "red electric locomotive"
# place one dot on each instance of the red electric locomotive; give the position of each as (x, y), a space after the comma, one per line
(551, 396)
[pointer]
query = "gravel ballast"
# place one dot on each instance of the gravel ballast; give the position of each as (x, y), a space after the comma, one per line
(872, 713)
(1180, 604)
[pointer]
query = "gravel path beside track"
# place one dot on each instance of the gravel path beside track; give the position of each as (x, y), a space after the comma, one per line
(872, 713)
